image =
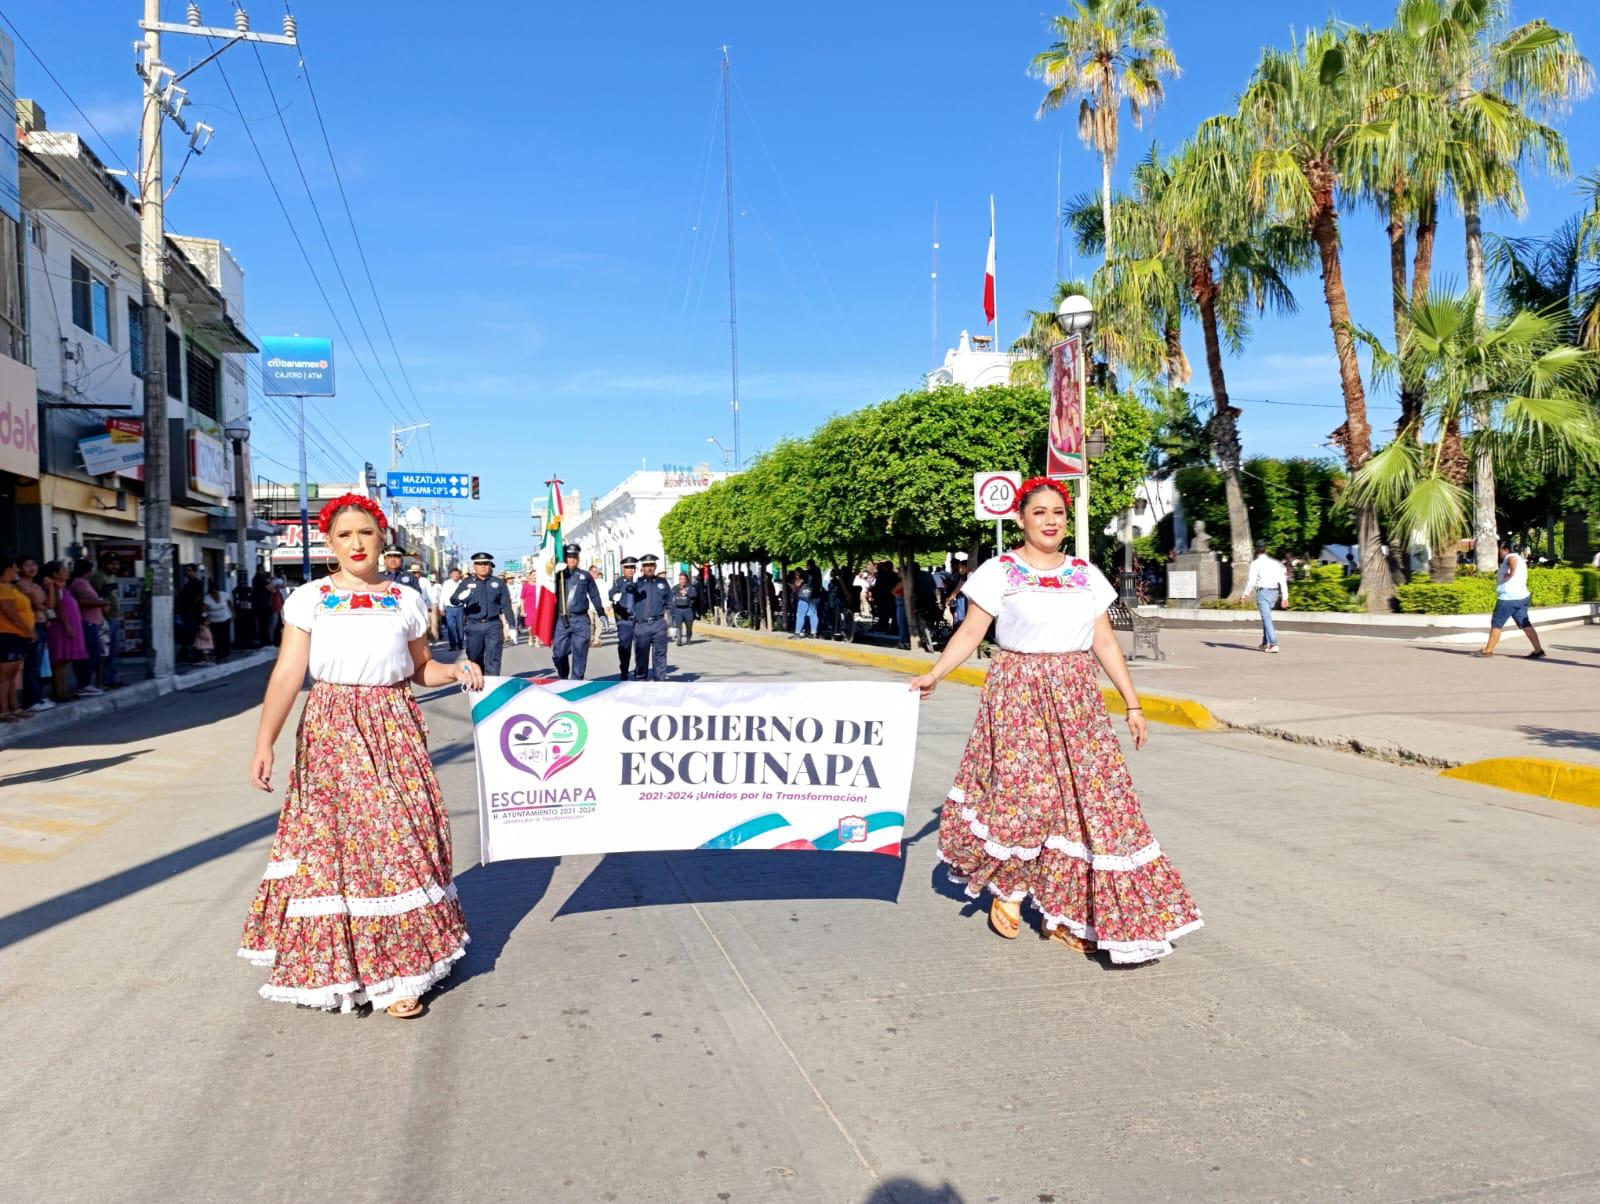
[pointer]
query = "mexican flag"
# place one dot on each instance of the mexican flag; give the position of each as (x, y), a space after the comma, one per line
(551, 557)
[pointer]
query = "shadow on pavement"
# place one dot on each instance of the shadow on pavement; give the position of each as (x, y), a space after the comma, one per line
(73, 769)
(623, 880)
(1506, 652)
(182, 710)
(31, 921)
(909, 1191)
(1556, 737)
(496, 898)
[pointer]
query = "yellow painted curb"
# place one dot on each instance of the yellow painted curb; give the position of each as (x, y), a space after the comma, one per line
(1561, 781)
(1177, 712)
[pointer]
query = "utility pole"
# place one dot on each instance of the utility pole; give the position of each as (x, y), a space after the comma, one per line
(733, 292)
(397, 448)
(162, 98)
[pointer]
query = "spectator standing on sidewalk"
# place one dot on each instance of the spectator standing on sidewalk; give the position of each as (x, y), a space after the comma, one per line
(1269, 580)
(105, 584)
(65, 635)
(685, 598)
(189, 607)
(219, 617)
(16, 638)
(805, 603)
(1042, 808)
(1511, 595)
(92, 610)
(35, 669)
(261, 605)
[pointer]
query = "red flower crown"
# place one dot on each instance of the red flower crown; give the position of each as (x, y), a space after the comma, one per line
(1033, 483)
(343, 502)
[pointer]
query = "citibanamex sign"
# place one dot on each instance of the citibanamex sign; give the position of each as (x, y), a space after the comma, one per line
(19, 419)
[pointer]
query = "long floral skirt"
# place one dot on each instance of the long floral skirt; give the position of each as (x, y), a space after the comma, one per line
(1043, 810)
(356, 904)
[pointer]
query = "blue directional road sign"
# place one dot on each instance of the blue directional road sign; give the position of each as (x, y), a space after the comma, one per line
(430, 484)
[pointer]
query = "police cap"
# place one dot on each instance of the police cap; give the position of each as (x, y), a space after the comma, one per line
(649, 558)
(629, 562)
(482, 558)
(570, 551)
(394, 550)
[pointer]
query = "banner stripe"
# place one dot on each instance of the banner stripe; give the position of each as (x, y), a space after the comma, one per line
(876, 822)
(749, 830)
(584, 689)
(497, 698)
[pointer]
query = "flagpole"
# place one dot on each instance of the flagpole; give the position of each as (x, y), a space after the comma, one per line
(996, 243)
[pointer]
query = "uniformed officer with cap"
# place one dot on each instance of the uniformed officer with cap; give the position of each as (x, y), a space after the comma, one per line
(394, 558)
(622, 611)
(484, 602)
(575, 593)
(652, 598)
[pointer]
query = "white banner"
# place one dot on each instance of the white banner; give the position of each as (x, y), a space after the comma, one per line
(567, 767)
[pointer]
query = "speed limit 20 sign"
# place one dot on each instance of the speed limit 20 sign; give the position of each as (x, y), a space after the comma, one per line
(994, 494)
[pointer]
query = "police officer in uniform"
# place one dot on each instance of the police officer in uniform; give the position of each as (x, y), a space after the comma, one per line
(575, 593)
(652, 598)
(622, 611)
(484, 602)
(394, 557)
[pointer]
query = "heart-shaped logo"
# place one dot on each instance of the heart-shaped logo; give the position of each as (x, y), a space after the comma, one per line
(544, 747)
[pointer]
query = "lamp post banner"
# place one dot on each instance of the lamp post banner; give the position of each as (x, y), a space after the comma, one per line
(571, 767)
(1064, 451)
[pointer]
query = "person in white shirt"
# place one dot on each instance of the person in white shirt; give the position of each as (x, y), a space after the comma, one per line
(1043, 808)
(357, 905)
(1270, 582)
(1511, 595)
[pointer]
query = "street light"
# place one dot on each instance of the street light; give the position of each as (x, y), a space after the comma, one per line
(726, 454)
(238, 432)
(1075, 316)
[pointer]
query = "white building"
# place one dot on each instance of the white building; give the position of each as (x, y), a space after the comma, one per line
(974, 367)
(85, 302)
(626, 520)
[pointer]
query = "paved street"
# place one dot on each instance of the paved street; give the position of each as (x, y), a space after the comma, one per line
(1393, 998)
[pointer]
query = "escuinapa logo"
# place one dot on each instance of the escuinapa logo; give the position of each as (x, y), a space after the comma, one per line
(544, 748)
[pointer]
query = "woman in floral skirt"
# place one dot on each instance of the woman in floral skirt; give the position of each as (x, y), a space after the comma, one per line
(1043, 808)
(357, 904)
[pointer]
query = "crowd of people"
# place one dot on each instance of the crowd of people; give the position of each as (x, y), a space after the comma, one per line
(59, 633)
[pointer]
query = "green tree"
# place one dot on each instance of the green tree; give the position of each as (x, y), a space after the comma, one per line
(1106, 52)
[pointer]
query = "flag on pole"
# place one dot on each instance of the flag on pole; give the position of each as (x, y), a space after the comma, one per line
(552, 556)
(988, 271)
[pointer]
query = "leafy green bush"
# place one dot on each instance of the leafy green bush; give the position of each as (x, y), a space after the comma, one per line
(1322, 587)
(1475, 595)
(1226, 604)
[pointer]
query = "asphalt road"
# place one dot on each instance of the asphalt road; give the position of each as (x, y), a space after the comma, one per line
(1394, 998)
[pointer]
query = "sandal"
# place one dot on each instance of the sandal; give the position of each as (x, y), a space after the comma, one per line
(405, 1009)
(1060, 933)
(1004, 920)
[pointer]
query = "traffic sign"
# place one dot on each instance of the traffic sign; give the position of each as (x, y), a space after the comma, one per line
(994, 494)
(430, 484)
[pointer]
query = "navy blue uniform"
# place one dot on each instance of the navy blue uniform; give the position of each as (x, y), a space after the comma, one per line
(482, 602)
(684, 600)
(406, 577)
(569, 643)
(652, 598)
(622, 610)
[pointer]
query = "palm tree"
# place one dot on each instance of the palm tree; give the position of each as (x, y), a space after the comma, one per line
(1305, 121)
(1535, 389)
(1105, 52)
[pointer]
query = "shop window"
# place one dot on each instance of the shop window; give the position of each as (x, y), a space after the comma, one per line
(91, 301)
(202, 368)
(136, 337)
(174, 366)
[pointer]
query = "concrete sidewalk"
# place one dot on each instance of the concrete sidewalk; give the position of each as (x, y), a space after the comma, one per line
(1422, 702)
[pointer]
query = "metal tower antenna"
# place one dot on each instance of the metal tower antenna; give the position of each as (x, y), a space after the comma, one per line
(733, 292)
(933, 342)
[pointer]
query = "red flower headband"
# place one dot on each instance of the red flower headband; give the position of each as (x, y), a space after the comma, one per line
(344, 502)
(1033, 483)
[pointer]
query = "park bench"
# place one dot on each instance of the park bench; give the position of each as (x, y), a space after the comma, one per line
(1146, 631)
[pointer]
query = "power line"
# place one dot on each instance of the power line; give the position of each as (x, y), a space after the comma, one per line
(62, 88)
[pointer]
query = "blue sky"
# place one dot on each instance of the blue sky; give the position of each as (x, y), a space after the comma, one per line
(539, 195)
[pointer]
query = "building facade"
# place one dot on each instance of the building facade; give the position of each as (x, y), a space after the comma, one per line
(83, 295)
(626, 520)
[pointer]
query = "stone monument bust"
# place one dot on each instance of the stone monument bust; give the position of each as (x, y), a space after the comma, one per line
(1200, 542)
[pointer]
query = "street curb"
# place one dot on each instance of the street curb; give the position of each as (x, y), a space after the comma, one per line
(1560, 781)
(1176, 712)
(127, 699)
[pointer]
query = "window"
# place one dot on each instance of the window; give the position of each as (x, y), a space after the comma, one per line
(136, 337)
(174, 366)
(202, 368)
(91, 301)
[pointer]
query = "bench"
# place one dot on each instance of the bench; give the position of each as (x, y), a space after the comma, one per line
(1146, 631)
